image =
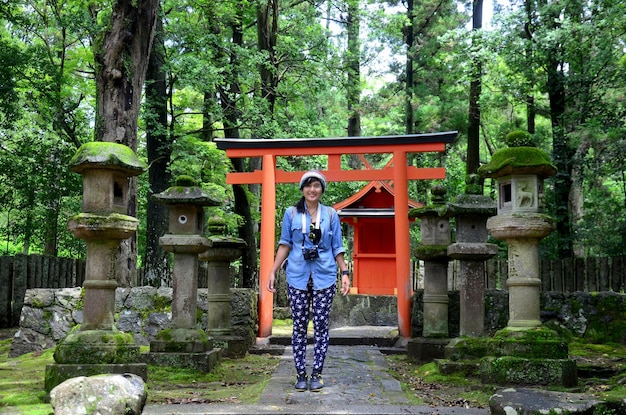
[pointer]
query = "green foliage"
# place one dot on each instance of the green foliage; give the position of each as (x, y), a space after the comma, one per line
(519, 138)
(47, 101)
(9, 248)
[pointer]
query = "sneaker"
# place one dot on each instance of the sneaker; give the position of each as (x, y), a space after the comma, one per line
(316, 382)
(301, 383)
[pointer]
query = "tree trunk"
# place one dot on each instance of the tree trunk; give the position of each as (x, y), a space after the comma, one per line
(159, 149)
(267, 33)
(121, 61)
(473, 128)
(353, 69)
(531, 111)
(409, 117)
(562, 156)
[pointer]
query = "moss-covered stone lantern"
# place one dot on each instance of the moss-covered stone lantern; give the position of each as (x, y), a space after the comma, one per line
(97, 347)
(184, 344)
(524, 349)
(433, 251)
(519, 172)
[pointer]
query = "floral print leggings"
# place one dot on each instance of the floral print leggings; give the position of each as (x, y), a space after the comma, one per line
(301, 301)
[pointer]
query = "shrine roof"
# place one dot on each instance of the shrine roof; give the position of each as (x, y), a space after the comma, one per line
(351, 207)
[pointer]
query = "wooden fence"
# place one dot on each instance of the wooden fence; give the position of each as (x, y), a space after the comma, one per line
(21, 272)
(564, 275)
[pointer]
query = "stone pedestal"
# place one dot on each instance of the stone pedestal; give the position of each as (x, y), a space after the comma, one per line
(522, 234)
(184, 276)
(222, 252)
(435, 238)
(97, 347)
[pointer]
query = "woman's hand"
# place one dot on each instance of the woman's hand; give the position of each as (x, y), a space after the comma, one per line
(270, 282)
(345, 285)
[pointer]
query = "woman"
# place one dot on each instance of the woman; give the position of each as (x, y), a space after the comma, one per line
(311, 242)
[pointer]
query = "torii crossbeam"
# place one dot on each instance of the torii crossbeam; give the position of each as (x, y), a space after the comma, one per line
(399, 146)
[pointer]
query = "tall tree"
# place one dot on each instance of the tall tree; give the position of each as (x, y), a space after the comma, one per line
(473, 126)
(159, 151)
(409, 35)
(121, 59)
(232, 118)
(52, 97)
(353, 67)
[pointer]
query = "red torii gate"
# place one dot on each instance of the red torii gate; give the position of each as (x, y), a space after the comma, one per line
(334, 148)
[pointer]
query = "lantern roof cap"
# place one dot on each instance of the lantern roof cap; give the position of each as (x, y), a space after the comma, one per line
(106, 155)
(518, 160)
(186, 192)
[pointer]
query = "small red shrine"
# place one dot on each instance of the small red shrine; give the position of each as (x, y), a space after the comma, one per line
(371, 214)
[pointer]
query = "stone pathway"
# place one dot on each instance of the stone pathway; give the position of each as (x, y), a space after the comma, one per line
(357, 381)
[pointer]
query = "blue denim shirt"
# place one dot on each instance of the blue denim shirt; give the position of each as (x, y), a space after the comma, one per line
(322, 270)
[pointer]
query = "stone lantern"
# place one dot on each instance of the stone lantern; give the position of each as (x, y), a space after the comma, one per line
(519, 172)
(471, 211)
(433, 250)
(97, 347)
(524, 349)
(186, 202)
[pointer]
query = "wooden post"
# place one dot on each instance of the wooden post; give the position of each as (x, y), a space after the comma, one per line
(268, 224)
(403, 244)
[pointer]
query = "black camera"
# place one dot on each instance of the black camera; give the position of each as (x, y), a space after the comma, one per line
(310, 254)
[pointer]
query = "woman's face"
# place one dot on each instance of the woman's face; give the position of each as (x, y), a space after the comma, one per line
(312, 191)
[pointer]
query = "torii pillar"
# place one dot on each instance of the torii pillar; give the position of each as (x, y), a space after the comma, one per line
(334, 148)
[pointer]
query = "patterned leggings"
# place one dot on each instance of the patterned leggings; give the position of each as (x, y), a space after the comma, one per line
(300, 301)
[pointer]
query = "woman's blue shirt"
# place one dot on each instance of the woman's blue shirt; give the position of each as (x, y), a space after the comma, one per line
(322, 270)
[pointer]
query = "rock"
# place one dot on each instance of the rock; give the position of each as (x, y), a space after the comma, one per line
(49, 315)
(527, 401)
(67, 297)
(101, 394)
(38, 298)
(141, 299)
(28, 340)
(129, 321)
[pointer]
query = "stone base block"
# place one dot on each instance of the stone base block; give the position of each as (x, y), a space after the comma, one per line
(423, 349)
(232, 346)
(204, 362)
(58, 373)
(546, 349)
(163, 346)
(96, 347)
(509, 370)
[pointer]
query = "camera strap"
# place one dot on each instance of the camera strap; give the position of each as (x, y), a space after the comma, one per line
(317, 223)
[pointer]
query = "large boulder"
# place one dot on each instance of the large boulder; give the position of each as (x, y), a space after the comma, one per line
(529, 401)
(101, 394)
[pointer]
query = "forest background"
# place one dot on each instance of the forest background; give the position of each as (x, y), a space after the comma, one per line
(70, 72)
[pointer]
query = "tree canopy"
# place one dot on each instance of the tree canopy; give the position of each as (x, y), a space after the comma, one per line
(281, 69)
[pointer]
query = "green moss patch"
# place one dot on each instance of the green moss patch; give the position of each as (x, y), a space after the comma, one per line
(518, 160)
(104, 154)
